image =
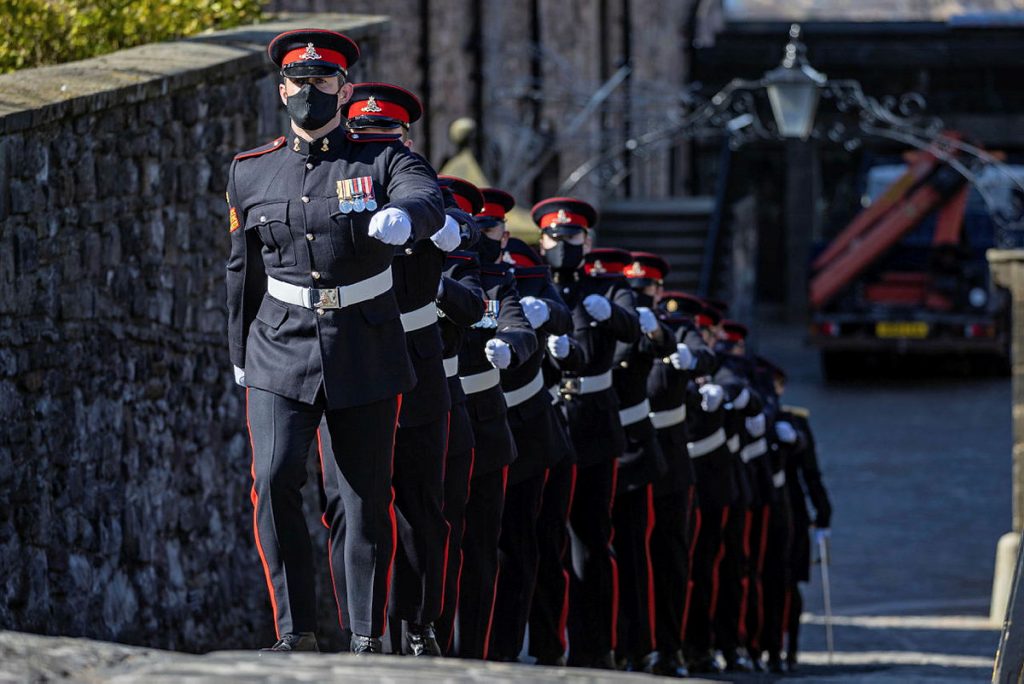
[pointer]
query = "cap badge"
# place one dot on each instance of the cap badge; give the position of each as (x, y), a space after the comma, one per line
(672, 306)
(598, 267)
(310, 52)
(638, 270)
(371, 106)
(560, 218)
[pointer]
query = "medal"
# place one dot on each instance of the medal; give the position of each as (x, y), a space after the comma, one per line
(344, 194)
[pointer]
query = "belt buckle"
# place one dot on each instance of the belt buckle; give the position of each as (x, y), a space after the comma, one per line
(570, 386)
(328, 299)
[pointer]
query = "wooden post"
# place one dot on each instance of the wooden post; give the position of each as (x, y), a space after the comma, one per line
(1007, 267)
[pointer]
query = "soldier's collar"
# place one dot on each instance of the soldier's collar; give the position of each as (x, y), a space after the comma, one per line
(320, 147)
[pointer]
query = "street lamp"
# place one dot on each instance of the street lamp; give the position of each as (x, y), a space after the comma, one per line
(793, 89)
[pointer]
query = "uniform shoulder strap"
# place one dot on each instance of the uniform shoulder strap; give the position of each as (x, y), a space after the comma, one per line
(262, 149)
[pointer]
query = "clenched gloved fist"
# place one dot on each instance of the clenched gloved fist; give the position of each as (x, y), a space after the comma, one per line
(559, 346)
(785, 431)
(498, 353)
(239, 376)
(648, 321)
(821, 534)
(392, 226)
(683, 358)
(756, 425)
(448, 238)
(599, 308)
(711, 397)
(536, 310)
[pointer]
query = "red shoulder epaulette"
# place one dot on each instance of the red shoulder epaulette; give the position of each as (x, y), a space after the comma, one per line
(374, 137)
(269, 147)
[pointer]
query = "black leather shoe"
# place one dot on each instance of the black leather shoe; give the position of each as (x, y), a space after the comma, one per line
(420, 640)
(791, 665)
(775, 665)
(557, 661)
(363, 645)
(704, 664)
(290, 643)
(737, 663)
(665, 665)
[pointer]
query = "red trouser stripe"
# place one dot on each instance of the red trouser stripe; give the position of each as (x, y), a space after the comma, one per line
(690, 554)
(255, 519)
(563, 618)
(650, 568)
(748, 524)
(611, 559)
(766, 516)
(458, 578)
(394, 521)
(718, 564)
(497, 576)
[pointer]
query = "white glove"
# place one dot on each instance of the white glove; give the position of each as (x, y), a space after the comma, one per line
(712, 397)
(559, 346)
(683, 358)
(785, 431)
(821, 534)
(755, 425)
(648, 321)
(742, 399)
(498, 353)
(239, 376)
(599, 308)
(392, 226)
(536, 310)
(448, 238)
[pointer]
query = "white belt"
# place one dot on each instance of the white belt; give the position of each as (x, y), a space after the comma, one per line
(666, 419)
(332, 297)
(634, 414)
(779, 479)
(703, 447)
(451, 367)
(588, 384)
(734, 444)
(754, 449)
(518, 396)
(471, 384)
(420, 318)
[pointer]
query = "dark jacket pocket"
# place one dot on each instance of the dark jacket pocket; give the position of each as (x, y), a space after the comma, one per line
(379, 309)
(342, 241)
(272, 313)
(270, 220)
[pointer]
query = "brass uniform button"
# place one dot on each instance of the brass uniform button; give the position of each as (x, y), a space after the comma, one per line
(305, 199)
(310, 237)
(320, 312)
(316, 275)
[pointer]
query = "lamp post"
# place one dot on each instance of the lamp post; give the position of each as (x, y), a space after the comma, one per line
(794, 88)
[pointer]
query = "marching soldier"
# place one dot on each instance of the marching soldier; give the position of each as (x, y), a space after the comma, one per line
(380, 110)
(642, 463)
(541, 440)
(603, 315)
(675, 493)
(315, 331)
(502, 339)
(461, 301)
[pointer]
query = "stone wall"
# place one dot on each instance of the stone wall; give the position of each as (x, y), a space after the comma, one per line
(124, 464)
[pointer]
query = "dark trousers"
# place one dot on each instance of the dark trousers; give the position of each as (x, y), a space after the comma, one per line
(457, 475)
(731, 574)
(480, 563)
(752, 604)
(418, 581)
(670, 555)
(794, 608)
(594, 587)
(362, 529)
(705, 572)
(634, 523)
(549, 609)
(777, 581)
(518, 558)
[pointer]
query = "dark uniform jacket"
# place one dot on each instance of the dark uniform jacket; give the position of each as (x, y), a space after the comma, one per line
(461, 304)
(753, 475)
(286, 223)
(666, 387)
(803, 481)
(539, 432)
(487, 410)
(714, 471)
(594, 418)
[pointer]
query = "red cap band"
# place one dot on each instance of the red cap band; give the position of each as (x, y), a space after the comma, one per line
(560, 217)
(521, 259)
(464, 204)
(702, 321)
(299, 55)
(638, 270)
(597, 267)
(378, 108)
(493, 209)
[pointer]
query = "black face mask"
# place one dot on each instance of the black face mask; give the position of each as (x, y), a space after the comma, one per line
(489, 250)
(311, 108)
(564, 256)
(643, 299)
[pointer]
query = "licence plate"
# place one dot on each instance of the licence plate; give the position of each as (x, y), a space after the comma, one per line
(914, 330)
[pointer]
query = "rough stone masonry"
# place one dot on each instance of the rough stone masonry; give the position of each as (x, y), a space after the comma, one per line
(124, 486)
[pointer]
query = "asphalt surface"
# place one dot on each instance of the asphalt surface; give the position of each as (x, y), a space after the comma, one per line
(917, 462)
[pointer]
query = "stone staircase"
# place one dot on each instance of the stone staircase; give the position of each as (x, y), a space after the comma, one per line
(675, 229)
